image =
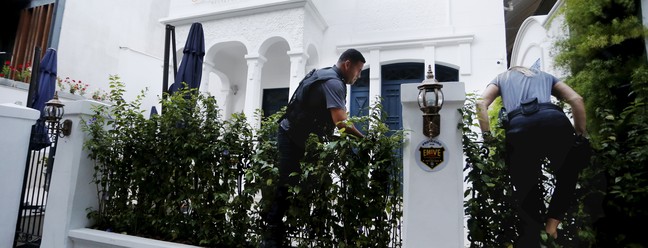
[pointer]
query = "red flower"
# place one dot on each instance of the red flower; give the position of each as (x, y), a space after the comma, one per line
(1, 75)
(7, 62)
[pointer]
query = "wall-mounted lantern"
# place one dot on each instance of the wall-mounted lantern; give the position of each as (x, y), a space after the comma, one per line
(54, 112)
(430, 100)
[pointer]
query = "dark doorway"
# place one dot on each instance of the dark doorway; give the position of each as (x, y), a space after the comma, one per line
(274, 100)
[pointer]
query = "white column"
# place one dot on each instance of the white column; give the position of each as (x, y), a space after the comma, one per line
(253, 88)
(205, 85)
(72, 191)
(297, 70)
(433, 197)
(375, 86)
(16, 122)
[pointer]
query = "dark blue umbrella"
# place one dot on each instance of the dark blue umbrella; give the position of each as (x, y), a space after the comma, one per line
(44, 93)
(153, 112)
(190, 70)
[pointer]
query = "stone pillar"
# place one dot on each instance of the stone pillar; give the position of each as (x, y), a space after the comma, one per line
(253, 88)
(16, 122)
(433, 196)
(72, 191)
(297, 70)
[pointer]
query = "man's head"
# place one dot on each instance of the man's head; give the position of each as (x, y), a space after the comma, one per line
(350, 63)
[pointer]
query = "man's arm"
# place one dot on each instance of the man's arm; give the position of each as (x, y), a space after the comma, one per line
(339, 115)
(488, 96)
(567, 94)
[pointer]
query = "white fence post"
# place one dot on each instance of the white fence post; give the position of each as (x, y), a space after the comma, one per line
(433, 197)
(72, 191)
(16, 122)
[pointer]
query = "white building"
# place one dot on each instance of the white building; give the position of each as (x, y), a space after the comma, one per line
(258, 50)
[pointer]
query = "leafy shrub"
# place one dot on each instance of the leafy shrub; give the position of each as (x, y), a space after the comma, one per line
(188, 175)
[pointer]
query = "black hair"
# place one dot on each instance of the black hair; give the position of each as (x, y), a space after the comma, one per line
(353, 55)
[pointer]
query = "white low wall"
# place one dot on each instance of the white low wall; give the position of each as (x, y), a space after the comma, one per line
(72, 191)
(90, 238)
(16, 122)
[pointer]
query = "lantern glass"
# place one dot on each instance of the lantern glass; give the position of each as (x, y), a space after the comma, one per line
(439, 97)
(53, 112)
(421, 99)
(431, 98)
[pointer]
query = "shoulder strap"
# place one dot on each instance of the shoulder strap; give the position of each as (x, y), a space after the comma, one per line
(291, 103)
(313, 77)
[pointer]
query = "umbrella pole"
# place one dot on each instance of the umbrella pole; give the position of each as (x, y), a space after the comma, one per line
(165, 69)
(175, 59)
(33, 81)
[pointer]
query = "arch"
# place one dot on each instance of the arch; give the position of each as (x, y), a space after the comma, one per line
(399, 61)
(313, 57)
(263, 48)
(531, 54)
(446, 72)
(276, 70)
(229, 74)
(531, 29)
(275, 75)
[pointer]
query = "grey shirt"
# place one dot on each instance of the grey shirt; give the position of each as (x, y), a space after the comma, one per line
(515, 87)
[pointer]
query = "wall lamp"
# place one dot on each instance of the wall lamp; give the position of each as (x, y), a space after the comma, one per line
(430, 100)
(54, 112)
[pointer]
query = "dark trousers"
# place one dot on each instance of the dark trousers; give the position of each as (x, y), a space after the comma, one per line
(530, 139)
(290, 154)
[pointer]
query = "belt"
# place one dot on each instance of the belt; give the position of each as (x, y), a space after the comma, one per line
(541, 106)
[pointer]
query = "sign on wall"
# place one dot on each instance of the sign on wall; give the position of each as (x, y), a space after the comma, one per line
(432, 155)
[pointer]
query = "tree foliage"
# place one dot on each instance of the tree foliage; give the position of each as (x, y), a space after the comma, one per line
(605, 55)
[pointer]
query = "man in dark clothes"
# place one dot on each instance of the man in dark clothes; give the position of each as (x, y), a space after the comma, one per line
(317, 106)
(537, 129)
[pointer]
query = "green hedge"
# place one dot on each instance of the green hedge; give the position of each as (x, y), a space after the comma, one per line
(191, 176)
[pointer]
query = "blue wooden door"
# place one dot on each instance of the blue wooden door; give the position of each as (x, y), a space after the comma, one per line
(393, 76)
(360, 99)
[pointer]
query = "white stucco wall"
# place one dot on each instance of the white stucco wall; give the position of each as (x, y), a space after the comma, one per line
(353, 24)
(122, 37)
(437, 31)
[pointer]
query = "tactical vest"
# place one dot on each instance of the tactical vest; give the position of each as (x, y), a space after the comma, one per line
(298, 121)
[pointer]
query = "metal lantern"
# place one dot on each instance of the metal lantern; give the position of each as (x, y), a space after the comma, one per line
(54, 112)
(430, 100)
(54, 109)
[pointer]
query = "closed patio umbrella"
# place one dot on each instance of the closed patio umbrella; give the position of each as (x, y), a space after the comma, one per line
(44, 93)
(190, 70)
